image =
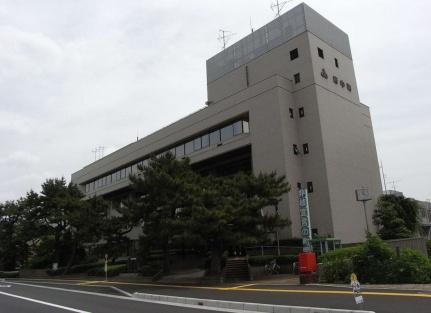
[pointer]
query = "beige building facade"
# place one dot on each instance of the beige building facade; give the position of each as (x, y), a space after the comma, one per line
(284, 99)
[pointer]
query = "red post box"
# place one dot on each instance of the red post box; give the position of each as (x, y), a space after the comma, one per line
(307, 262)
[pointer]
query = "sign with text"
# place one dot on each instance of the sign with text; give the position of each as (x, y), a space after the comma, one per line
(304, 214)
(362, 194)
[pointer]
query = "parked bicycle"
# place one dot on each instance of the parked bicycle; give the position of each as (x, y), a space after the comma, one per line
(272, 268)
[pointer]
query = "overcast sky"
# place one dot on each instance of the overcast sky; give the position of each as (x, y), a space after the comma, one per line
(77, 74)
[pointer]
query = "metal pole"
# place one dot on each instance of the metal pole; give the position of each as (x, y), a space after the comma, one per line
(366, 217)
(278, 243)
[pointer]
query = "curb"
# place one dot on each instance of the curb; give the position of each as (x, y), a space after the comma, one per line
(239, 306)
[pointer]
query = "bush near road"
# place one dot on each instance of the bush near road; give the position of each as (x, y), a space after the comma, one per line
(375, 262)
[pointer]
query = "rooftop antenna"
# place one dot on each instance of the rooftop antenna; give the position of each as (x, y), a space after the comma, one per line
(383, 175)
(224, 36)
(95, 151)
(394, 186)
(278, 6)
(98, 152)
(101, 151)
(251, 26)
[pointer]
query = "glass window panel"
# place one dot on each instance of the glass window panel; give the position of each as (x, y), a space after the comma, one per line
(205, 141)
(92, 186)
(226, 132)
(215, 137)
(123, 173)
(87, 188)
(197, 144)
(128, 171)
(245, 126)
(172, 151)
(134, 168)
(118, 175)
(109, 180)
(189, 147)
(179, 151)
(237, 128)
(105, 180)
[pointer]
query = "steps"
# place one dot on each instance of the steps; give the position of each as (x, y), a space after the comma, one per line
(236, 269)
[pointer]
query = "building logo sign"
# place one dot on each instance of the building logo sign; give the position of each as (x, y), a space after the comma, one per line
(304, 214)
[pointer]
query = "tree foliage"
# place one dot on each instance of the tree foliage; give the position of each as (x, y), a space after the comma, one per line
(396, 217)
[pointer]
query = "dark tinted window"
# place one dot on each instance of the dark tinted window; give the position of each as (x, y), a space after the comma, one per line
(205, 141)
(294, 54)
(197, 144)
(291, 112)
(296, 78)
(349, 88)
(320, 53)
(237, 128)
(310, 188)
(215, 137)
(189, 147)
(301, 112)
(305, 148)
(179, 151)
(226, 132)
(336, 62)
(295, 149)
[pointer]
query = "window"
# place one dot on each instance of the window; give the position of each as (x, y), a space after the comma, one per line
(342, 84)
(336, 62)
(237, 128)
(205, 141)
(295, 149)
(118, 176)
(310, 187)
(320, 53)
(226, 132)
(349, 88)
(92, 186)
(189, 147)
(294, 54)
(179, 151)
(305, 148)
(291, 112)
(123, 173)
(128, 171)
(197, 144)
(301, 112)
(296, 78)
(245, 127)
(87, 188)
(298, 185)
(215, 137)
(172, 151)
(335, 79)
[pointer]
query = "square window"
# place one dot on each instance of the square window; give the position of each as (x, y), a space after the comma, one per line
(305, 148)
(349, 88)
(294, 54)
(295, 149)
(296, 78)
(215, 137)
(336, 62)
(291, 112)
(301, 112)
(310, 187)
(335, 79)
(320, 53)
(298, 185)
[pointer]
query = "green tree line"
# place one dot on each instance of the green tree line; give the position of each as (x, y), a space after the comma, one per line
(168, 200)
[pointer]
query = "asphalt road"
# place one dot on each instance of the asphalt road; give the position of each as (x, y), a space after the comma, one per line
(378, 300)
(28, 299)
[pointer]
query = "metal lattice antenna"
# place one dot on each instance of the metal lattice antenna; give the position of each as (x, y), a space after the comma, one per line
(101, 151)
(95, 153)
(278, 6)
(224, 37)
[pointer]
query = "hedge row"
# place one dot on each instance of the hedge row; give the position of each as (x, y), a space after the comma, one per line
(13, 274)
(376, 262)
(75, 269)
(265, 259)
(113, 270)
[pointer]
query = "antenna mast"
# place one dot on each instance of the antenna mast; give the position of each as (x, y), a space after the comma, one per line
(278, 6)
(224, 37)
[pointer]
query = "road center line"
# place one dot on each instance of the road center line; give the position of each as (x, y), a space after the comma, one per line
(43, 302)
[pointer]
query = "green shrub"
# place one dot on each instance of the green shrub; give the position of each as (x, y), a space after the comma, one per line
(75, 269)
(337, 265)
(429, 248)
(265, 259)
(13, 274)
(412, 267)
(113, 270)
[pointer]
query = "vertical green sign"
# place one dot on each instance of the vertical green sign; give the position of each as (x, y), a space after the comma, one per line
(304, 215)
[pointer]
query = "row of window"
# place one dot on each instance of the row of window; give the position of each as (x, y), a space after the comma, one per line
(335, 80)
(300, 110)
(210, 139)
(322, 55)
(305, 149)
(310, 188)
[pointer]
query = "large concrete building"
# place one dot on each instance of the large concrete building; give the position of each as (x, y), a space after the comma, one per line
(284, 98)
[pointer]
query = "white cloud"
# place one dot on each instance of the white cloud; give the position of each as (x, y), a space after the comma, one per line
(78, 74)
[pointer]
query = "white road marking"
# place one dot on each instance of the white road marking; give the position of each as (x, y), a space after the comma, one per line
(43, 302)
(121, 291)
(5, 286)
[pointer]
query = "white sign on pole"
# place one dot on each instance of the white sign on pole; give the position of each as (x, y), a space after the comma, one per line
(362, 194)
